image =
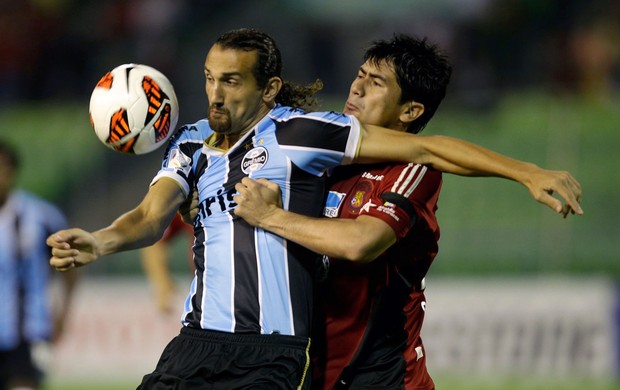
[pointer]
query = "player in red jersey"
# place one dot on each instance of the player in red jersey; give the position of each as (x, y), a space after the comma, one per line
(371, 309)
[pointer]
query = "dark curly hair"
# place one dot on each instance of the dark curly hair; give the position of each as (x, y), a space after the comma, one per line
(422, 72)
(269, 64)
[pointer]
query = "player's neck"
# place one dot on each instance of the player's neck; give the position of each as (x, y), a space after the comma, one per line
(226, 141)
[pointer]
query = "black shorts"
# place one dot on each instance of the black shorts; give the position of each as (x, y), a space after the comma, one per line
(202, 359)
(17, 366)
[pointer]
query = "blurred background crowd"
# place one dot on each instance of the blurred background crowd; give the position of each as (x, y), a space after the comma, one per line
(534, 79)
(55, 49)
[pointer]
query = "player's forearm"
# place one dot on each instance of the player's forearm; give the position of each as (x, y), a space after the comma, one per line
(145, 224)
(334, 237)
(463, 158)
(446, 154)
(130, 231)
(294, 227)
(460, 157)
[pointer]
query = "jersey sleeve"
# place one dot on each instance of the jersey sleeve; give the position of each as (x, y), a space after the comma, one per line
(319, 141)
(407, 196)
(181, 155)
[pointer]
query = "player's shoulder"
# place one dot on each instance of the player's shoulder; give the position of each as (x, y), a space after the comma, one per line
(426, 174)
(400, 170)
(285, 113)
(195, 132)
(432, 173)
(411, 176)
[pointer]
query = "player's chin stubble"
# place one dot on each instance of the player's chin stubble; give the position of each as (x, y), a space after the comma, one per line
(219, 120)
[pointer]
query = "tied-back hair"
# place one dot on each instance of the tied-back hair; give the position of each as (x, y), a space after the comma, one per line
(422, 72)
(269, 65)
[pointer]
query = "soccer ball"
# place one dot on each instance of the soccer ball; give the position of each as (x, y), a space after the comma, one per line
(134, 109)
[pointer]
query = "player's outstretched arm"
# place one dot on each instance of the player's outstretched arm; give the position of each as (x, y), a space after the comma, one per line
(259, 203)
(460, 157)
(137, 228)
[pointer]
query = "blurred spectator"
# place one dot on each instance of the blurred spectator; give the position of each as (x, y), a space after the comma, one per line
(593, 52)
(28, 319)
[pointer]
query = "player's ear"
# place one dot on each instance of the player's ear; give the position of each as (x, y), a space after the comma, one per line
(411, 111)
(271, 89)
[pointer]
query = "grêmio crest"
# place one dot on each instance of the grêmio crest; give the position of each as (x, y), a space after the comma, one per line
(254, 160)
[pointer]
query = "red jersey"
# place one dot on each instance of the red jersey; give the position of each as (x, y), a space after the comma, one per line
(370, 315)
(177, 226)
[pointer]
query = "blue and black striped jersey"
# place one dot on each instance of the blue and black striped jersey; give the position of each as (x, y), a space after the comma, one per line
(25, 312)
(248, 280)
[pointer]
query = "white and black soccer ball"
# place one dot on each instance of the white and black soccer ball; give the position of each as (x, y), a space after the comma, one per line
(134, 109)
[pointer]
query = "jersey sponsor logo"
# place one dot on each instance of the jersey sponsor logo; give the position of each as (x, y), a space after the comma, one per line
(389, 209)
(222, 202)
(367, 206)
(370, 176)
(332, 204)
(254, 160)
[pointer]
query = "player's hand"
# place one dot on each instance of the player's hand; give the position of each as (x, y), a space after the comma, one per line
(256, 199)
(543, 184)
(72, 248)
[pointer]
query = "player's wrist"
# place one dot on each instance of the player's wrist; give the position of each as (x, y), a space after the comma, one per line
(525, 173)
(273, 218)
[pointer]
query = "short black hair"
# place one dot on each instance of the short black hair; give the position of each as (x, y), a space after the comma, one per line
(422, 72)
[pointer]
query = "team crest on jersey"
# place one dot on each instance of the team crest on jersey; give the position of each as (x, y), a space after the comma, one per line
(358, 199)
(359, 194)
(254, 160)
